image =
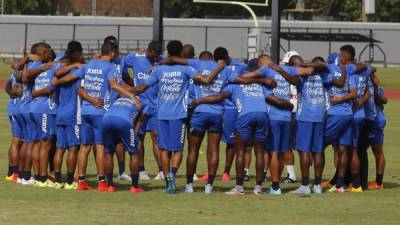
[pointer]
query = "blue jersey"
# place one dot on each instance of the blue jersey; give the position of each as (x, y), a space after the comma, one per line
(124, 108)
(311, 106)
(67, 111)
(248, 98)
(96, 74)
(233, 71)
(361, 82)
(141, 66)
(117, 76)
(173, 82)
(205, 67)
(282, 91)
(45, 104)
(372, 110)
(13, 103)
(335, 72)
(381, 115)
(27, 89)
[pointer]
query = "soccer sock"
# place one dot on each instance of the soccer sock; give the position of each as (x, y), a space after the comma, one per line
(333, 180)
(135, 180)
(246, 171)
(121, 166)
(317, 180)
(141, 168)
(36, 177)
(81, 178)
(57, 176)
(189, 178)
(43, 178)
(290, 170)
(239, 180)
(210, 179)
(227, 169)
(305, 181)
(20, 174)
(339, 182)
(27, 175)
(160, 169)
(102, 178)
(70, 178)
(259, 182)
(275, 185)
(356, 181)
(379, 179)
(110, 181)
(174, 170)
(14, 169)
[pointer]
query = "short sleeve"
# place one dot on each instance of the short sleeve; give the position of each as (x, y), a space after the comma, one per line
(81, 72)
(126, 62)
(231, 73)
(351, 69)
(264, 71)
(353, 82)
(112, 72)
(190, 72)
(291, 70)
(153, 77)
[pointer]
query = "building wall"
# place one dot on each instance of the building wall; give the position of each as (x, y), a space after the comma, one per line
(121, 8)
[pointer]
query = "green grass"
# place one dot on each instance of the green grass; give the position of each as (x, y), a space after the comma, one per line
(30, 205)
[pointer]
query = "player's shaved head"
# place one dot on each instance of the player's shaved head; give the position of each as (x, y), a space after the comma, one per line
(74, 51)
(188, 51)
(206, 55)
(111, 39)
(347, 54)
(174, 48)
(296, 61)
(154, 50)
(264, 60)
(318, 59)
(108, 48)
(44, 51)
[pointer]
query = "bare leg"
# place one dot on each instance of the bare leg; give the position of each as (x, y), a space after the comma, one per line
(213, 155)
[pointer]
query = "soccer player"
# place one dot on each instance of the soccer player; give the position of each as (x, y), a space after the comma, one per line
(120, 125)
(376, 122)
(251, 126)
(310, 120)
(68, 116)
(341, 91)
(141, 64)
(173, 81)
(98, 77)
(13, 89)
(39, 114)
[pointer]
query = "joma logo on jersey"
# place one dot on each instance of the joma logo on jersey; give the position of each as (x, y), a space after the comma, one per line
(95, 71)
(132, 137)
(44, 123)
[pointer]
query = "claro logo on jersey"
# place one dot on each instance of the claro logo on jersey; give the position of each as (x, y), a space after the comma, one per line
(142, 76)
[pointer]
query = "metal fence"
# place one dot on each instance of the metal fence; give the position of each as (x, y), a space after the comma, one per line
(17, 37)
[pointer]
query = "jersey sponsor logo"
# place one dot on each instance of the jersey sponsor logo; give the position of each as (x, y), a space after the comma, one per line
(44, 123)
(132, 138)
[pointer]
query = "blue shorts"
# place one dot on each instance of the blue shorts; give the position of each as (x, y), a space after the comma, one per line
(27, 126)
(171, 135)
(91, 130)
(292, 133)
(375, 131)
(278, 136)
(357, 126)
(119, 130)
(44, 126)
(229, 119)
(149, 124)
(252, 127)
(312, 140)
(338, 130)
(202, 122)
(16, 127)
(67, 136)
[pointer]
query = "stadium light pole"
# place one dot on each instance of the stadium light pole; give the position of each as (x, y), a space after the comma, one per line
(158, 15)
(275, 30)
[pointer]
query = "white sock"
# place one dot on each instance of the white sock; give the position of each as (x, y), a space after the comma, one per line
(246, 171)
(290, 170)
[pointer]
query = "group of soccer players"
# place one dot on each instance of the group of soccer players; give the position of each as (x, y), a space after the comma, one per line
(62, 103)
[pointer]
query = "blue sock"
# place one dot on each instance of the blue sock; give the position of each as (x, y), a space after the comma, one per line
(110, 181)
(135, 180)
(121, 167)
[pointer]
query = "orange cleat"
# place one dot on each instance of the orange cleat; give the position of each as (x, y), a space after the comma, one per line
(83, 186)
(374, 186)
(14, 177)
(111, 189)
(102, 186)
(204, 178)
(326, 185)
(136, 190)
(225, 177)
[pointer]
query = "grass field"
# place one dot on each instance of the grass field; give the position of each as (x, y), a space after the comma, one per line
(30, 205)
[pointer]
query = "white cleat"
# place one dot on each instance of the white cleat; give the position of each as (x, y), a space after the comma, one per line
(28, 182)
(124, 176)
(237, 190)
(160, 176)
(316, 189)
(143, 175)
(257, 189)
(305, 190)
(195, 177)
(208, 189)
(19, 180)
(189, 188)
